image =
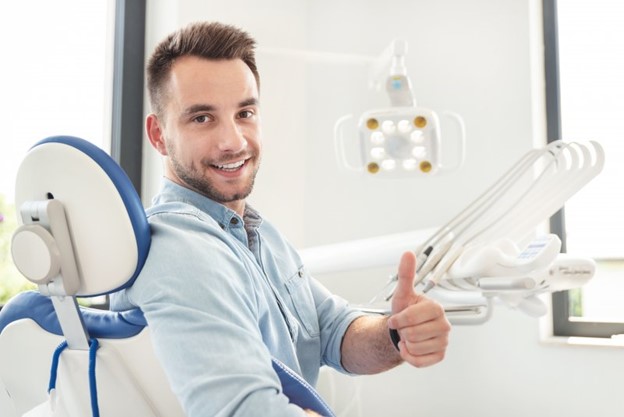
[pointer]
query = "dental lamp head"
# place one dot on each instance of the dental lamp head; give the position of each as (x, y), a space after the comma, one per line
(403, 140)
(400, 141)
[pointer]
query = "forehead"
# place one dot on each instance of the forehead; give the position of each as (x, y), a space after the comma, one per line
(195, 80)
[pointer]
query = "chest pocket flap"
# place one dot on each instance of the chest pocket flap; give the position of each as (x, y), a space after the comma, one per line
(298, 287)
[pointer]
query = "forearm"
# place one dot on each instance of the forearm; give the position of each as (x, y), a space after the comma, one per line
(367, 347)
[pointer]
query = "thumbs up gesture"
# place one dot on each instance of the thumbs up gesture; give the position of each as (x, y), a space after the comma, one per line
(420, 321)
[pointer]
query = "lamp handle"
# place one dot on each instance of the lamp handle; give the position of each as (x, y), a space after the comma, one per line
(461, 140)
(339, 144)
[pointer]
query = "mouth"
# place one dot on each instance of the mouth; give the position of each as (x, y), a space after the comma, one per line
(231, 167)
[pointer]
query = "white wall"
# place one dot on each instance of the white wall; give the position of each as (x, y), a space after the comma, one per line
(479, 58)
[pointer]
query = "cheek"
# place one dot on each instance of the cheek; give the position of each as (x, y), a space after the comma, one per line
(181, 154)
(170, 148)
(254, 136)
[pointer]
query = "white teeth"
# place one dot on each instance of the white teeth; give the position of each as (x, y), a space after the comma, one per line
(231, 166)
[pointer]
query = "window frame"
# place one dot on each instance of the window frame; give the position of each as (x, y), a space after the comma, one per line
(128, 88)
(562, 324)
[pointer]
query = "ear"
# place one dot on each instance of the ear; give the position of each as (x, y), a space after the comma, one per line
(155, 134)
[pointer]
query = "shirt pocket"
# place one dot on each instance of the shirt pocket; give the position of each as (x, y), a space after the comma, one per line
(298, 287)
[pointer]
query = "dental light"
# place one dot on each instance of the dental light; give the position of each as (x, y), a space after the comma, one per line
(403, 140)
(490, 251)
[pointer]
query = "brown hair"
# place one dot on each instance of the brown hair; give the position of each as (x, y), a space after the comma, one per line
(210, 40)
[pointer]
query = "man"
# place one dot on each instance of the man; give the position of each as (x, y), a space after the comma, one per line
(222, 290)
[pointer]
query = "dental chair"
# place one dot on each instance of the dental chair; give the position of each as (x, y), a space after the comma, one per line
(84, 233)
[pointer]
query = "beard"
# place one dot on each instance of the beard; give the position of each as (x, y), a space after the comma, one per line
(198, 181)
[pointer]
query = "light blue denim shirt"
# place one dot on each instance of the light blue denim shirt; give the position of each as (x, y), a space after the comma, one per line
(222, 295)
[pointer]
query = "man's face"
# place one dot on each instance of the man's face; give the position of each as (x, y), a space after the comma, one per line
(210, 128)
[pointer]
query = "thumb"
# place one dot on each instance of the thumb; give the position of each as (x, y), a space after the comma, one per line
(404, 291)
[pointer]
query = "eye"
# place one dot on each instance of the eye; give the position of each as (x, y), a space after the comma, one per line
(201, 119)
(246, 114)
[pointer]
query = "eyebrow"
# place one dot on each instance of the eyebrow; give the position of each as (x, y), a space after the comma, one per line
(252, 101)
(199, 108)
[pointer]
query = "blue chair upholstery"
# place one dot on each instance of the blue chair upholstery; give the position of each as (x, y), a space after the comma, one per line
(30, 326)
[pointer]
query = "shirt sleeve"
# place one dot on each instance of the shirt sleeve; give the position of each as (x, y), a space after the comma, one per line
(203, 318)
(335, 317)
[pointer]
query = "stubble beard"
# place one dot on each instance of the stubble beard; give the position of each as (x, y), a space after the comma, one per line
(199, 182)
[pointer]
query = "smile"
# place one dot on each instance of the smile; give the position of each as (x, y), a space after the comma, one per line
(232, 166)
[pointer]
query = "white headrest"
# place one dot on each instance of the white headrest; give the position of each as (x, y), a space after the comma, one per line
(107, 222)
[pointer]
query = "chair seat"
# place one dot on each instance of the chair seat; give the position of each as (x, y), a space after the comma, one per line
(130, 380)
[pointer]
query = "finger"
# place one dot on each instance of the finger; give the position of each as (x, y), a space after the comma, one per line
(404, 291)
(425, 331)
(427, 347)
(420, 361)
(423, 310)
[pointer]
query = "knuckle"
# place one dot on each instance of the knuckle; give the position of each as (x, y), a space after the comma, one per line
(438, 308)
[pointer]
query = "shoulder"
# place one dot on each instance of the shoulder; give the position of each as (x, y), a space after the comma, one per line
(191, 258)
(189, 242)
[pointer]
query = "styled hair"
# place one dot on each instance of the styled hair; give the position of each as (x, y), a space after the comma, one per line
(209, 40)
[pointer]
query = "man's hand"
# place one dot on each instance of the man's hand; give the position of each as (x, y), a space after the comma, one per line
(420, 321)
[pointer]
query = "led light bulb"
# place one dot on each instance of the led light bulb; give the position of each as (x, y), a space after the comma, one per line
(417, 137)
(410, 164)
(378, 153)
(388, 127)
(404, 126)
(388, 164)
(419, 152)
(377, 138)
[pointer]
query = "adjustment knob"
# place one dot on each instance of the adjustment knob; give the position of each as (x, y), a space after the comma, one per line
(35, 253)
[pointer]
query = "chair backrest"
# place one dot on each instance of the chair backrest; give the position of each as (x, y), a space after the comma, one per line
(94, 242)
(109, 239)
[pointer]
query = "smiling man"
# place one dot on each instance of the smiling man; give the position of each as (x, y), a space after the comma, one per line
(222, 290)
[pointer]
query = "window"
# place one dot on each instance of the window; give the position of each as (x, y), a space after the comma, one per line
(584, 62)
(73, 68)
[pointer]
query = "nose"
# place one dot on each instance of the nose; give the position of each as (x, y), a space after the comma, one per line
(231, 137)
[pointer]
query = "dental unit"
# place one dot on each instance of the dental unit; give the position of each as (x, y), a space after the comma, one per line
(490, 250)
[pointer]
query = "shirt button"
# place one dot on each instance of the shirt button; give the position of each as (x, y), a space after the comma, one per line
(234, 221)
(300, 273)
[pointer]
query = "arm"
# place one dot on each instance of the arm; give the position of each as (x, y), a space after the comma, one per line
(420, 321)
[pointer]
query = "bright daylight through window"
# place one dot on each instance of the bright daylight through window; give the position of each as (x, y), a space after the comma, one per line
(55, 82)
(591, 68)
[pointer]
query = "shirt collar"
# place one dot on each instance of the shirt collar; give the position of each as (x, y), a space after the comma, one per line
(171, 191)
